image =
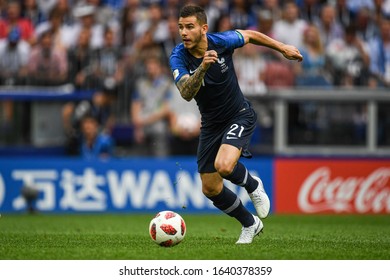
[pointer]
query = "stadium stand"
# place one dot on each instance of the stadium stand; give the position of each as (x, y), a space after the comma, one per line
(54, 59)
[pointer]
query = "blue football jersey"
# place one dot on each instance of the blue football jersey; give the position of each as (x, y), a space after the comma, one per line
(220, 96)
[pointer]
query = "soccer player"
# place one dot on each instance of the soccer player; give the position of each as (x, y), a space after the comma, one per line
(203, 70)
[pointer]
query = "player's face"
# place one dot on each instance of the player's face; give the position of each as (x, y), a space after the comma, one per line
(191, 31)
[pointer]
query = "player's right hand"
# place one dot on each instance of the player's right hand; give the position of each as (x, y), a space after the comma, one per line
(210, 57)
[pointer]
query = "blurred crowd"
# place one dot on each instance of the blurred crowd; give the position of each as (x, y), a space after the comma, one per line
(121, 48)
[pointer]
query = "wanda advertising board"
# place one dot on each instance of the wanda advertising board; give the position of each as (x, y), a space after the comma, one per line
(115, 185)
(360, 186)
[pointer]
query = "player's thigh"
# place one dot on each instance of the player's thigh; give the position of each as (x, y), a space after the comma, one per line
(239, 133)
(212, 183)
(226, 159)
(209, 143)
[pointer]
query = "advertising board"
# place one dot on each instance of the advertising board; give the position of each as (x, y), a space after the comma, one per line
(120, 185)
(332, 186)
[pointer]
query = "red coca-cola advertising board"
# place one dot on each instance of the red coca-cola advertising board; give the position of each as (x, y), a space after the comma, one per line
(360, 186)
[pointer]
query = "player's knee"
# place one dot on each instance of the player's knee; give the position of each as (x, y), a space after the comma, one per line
(210, 190)
(211, 185)
(224, 168)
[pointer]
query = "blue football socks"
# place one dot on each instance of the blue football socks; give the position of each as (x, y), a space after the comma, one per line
(240, 176)
(228, 202)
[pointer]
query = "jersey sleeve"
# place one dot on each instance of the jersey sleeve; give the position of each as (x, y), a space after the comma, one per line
(178, 65)
(231, 39)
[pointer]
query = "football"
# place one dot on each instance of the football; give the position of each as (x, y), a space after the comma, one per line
(167, 228)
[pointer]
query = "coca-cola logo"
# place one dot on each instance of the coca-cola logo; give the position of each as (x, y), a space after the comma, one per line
(320, 192)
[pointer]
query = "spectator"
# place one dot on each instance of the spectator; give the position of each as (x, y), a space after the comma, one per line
(366, 27)
(151, 29)
(241, 15)
(108, 74)
(138, 14)
(265, 26)
(311, 72)
(144, 47)
(95, 144)
(289, 29)
(80, 59)
(46, 6)
(184, 122)
(172, 39)
(47, 63)
(354, 6)
(127, 43)
(329, 28)
(310, 9)
(250, 67)
(223, 23)
(127, 28)
(105, 15)
(85, 19)
(380, 56)
(64, 7)
(274, 7)
(31, 11)
(171, 8)
(343, 15)
(265, 22)
(150, 110)
(278, 72)
(213, 10)
(14, 55)
(379, 11)
(55, 24)
(155, 23)
(92, 69)
(13, 19)
(348, 59)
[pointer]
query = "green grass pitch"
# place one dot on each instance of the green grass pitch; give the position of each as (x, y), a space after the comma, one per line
(213, 236)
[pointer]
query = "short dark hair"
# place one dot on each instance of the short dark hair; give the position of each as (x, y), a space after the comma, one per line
(89, 116)
(194, 10)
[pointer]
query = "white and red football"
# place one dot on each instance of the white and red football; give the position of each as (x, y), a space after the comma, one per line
(167, 228)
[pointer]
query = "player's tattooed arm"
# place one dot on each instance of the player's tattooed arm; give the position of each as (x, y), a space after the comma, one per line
(190, 85)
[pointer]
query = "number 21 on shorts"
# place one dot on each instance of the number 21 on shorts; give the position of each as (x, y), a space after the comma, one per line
(235, 131)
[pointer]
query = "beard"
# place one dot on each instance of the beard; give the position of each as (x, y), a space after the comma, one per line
(195, 41)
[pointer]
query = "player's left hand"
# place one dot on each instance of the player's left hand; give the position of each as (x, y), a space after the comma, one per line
(291, 53)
